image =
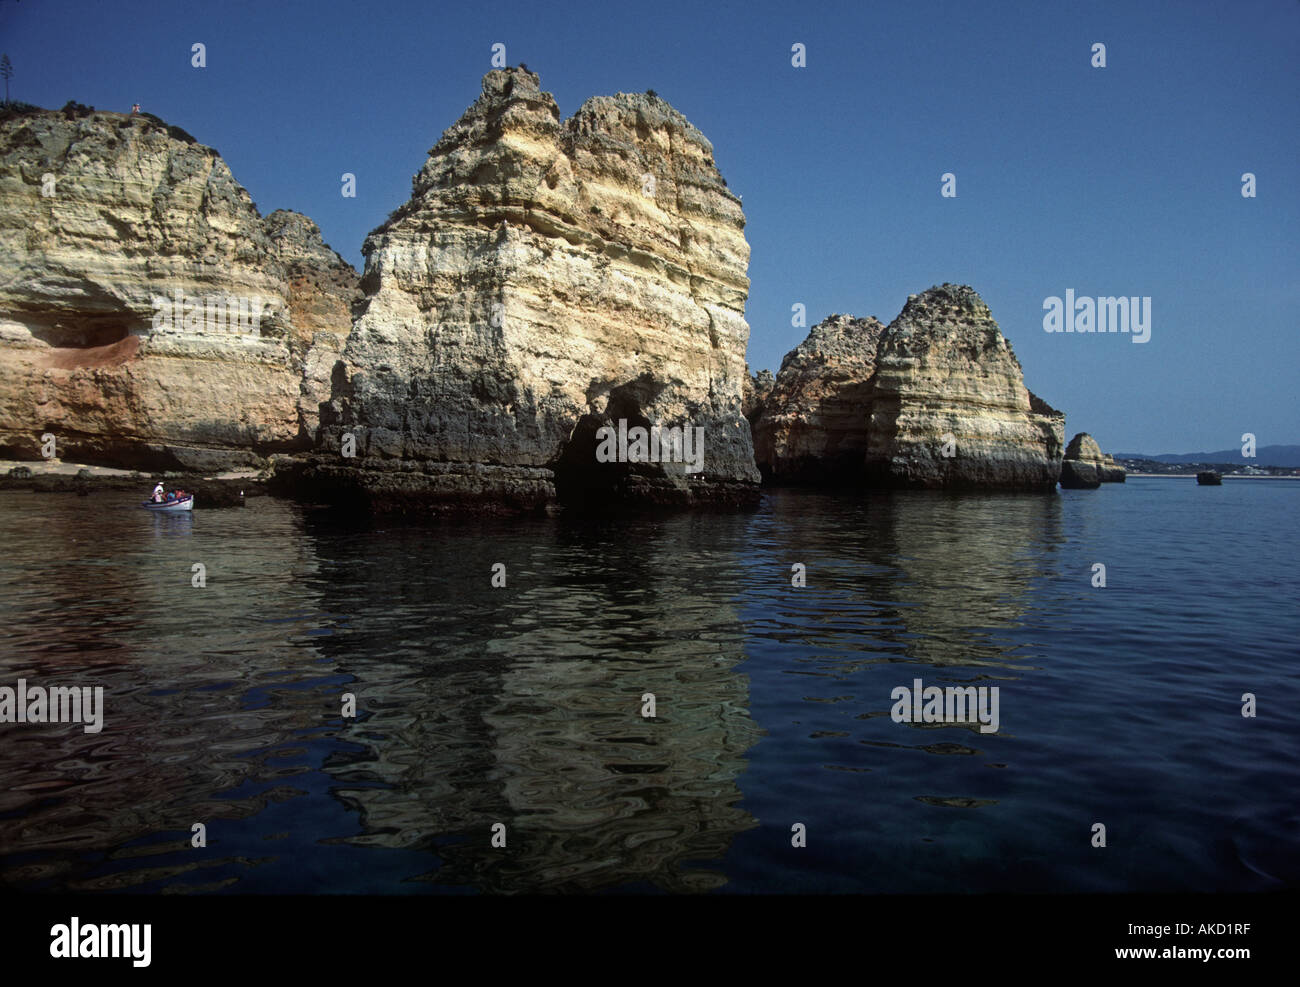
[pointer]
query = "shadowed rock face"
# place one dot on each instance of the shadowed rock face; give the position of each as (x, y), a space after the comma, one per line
(814, 420)
(137, 212)
(864, 403)
(757, 389)
(1085, 466)
(546, 278)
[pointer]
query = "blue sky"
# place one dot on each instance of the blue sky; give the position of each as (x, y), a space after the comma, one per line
(1117, 181)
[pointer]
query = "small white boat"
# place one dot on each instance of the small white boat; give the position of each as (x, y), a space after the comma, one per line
(186, 503)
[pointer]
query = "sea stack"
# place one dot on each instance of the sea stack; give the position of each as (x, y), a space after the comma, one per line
(1086, 467)
(149, 315)
(816, 419)
(934, 400)
(548, 278)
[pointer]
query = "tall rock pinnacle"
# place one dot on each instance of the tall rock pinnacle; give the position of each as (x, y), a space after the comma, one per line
(547, 278)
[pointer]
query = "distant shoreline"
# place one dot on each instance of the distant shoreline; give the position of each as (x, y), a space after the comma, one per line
(1192, 476)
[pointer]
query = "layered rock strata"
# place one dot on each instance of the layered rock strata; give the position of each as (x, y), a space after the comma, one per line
(546, 279)
(1086, 467)
(321, 289)
(935, 400)
(149, 315)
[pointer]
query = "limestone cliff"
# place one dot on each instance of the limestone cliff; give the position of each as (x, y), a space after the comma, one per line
(1086, 467)
(321, 289)
(814, 426)
(322, 285)
(936, 399)
(944, 368)
(149, 316)
(547, 277)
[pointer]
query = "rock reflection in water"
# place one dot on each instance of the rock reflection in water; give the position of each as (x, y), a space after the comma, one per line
(522, 705)
(934, 578)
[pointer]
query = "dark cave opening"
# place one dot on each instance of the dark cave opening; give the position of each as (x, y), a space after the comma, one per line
(581, 480)
(84, 335)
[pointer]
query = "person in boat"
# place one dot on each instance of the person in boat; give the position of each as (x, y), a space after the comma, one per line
(158, 493)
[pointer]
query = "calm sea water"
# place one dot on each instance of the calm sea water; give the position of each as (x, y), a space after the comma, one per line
(522, 705)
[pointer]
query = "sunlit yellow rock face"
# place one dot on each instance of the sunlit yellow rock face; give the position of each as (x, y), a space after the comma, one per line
(935, 399)
(102, 217)
(945, 369)
(546, 278)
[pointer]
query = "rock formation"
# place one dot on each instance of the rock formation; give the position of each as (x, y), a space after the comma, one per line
(322, 287)
(944, 368)
(1086, 467)
(149, 316)
(757, 388)
(936, 399)
(814, 423)
(547, 278)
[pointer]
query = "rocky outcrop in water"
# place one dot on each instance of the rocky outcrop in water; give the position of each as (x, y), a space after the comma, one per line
(937, 399)
(814, 424)
(547, 278)
(945, 369)
(1077, 475)
(1086, 467)
(149, 315)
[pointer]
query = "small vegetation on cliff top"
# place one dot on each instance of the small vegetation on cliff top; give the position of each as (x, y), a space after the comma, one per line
(14, 108)
(73, 110)
(174, 132)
